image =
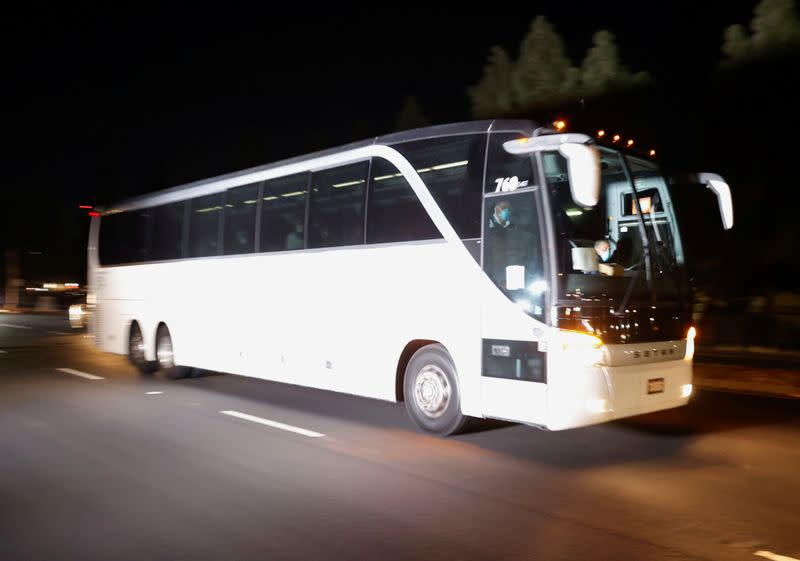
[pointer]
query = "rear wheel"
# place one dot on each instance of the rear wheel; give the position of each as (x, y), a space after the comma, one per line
(431, 391)
(136, 351)
(165, 355)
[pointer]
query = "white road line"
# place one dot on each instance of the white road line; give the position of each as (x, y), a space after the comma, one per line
(59, 333)
(15, 326)
(79, 373)
(2, 352)
(154, 393)
(273, 424)
(774, 556)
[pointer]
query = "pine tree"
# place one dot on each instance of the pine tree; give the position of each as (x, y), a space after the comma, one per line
(735, 42)
(544, 72)
(775, 27)
(492, 96)
(602, 70)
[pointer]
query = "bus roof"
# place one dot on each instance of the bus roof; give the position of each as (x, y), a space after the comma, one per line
(453, 129)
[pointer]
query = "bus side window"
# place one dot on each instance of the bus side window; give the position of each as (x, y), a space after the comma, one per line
(283, 213)
(452, 169)
(167, 231)
(204, 224)
(336, 208)
(239, 234)
(394, 213)
(125, 237)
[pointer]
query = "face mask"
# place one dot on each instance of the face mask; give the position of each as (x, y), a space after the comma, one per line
(605, 255)
(504, 214)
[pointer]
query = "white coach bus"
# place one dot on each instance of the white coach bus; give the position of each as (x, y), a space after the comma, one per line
(490, 269)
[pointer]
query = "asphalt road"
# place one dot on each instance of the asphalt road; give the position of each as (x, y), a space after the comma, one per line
(127, 467)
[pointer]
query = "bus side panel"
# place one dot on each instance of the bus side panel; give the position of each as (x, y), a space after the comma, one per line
(335, 319)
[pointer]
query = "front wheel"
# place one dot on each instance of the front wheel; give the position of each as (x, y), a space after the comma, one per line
(431, 391)
(165, 355)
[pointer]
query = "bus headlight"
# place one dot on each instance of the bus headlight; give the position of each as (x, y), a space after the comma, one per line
(584, 348)
(686, 390)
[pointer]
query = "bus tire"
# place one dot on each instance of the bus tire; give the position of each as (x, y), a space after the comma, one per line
(136, 354)
(430, 387)
(165, 355)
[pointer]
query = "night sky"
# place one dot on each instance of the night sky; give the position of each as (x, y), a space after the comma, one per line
(103, 103)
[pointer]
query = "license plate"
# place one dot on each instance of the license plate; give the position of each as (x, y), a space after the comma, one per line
(655, 385)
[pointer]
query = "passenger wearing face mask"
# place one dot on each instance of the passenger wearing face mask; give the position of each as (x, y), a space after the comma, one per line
(603, 249)
(504, 243)
(501, 218)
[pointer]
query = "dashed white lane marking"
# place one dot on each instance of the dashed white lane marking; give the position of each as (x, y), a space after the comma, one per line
(2, 352)
(79, 373)
(59, 333)
(154, 393)
(273, 424)
(11, 325)
(774, 556)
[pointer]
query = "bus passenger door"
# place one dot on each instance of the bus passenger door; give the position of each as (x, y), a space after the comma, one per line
(513, 377)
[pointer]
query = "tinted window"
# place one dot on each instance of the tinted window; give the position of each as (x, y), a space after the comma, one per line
(283, 213)
(124, 238)
(204, 224)
(395, 214)
(240, 219)
(507, 170)
(167, 231)
(452, 168)
(336, 212)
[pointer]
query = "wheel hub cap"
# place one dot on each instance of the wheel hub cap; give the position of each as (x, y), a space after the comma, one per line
(431, 391)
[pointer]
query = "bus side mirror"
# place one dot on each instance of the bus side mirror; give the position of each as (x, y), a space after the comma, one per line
(720, 188)
(583, 161)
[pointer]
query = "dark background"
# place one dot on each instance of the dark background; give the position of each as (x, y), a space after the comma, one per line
(103, 104)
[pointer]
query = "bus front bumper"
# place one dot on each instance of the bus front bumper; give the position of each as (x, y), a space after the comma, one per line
(615, 392)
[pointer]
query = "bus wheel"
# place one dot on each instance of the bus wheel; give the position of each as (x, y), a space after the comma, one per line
(431, 394)
(166, 355)
(136, 351)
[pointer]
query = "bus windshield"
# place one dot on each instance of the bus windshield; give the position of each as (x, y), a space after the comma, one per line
(628, 245)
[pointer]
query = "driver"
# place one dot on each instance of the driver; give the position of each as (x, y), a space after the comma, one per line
(603, 249)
